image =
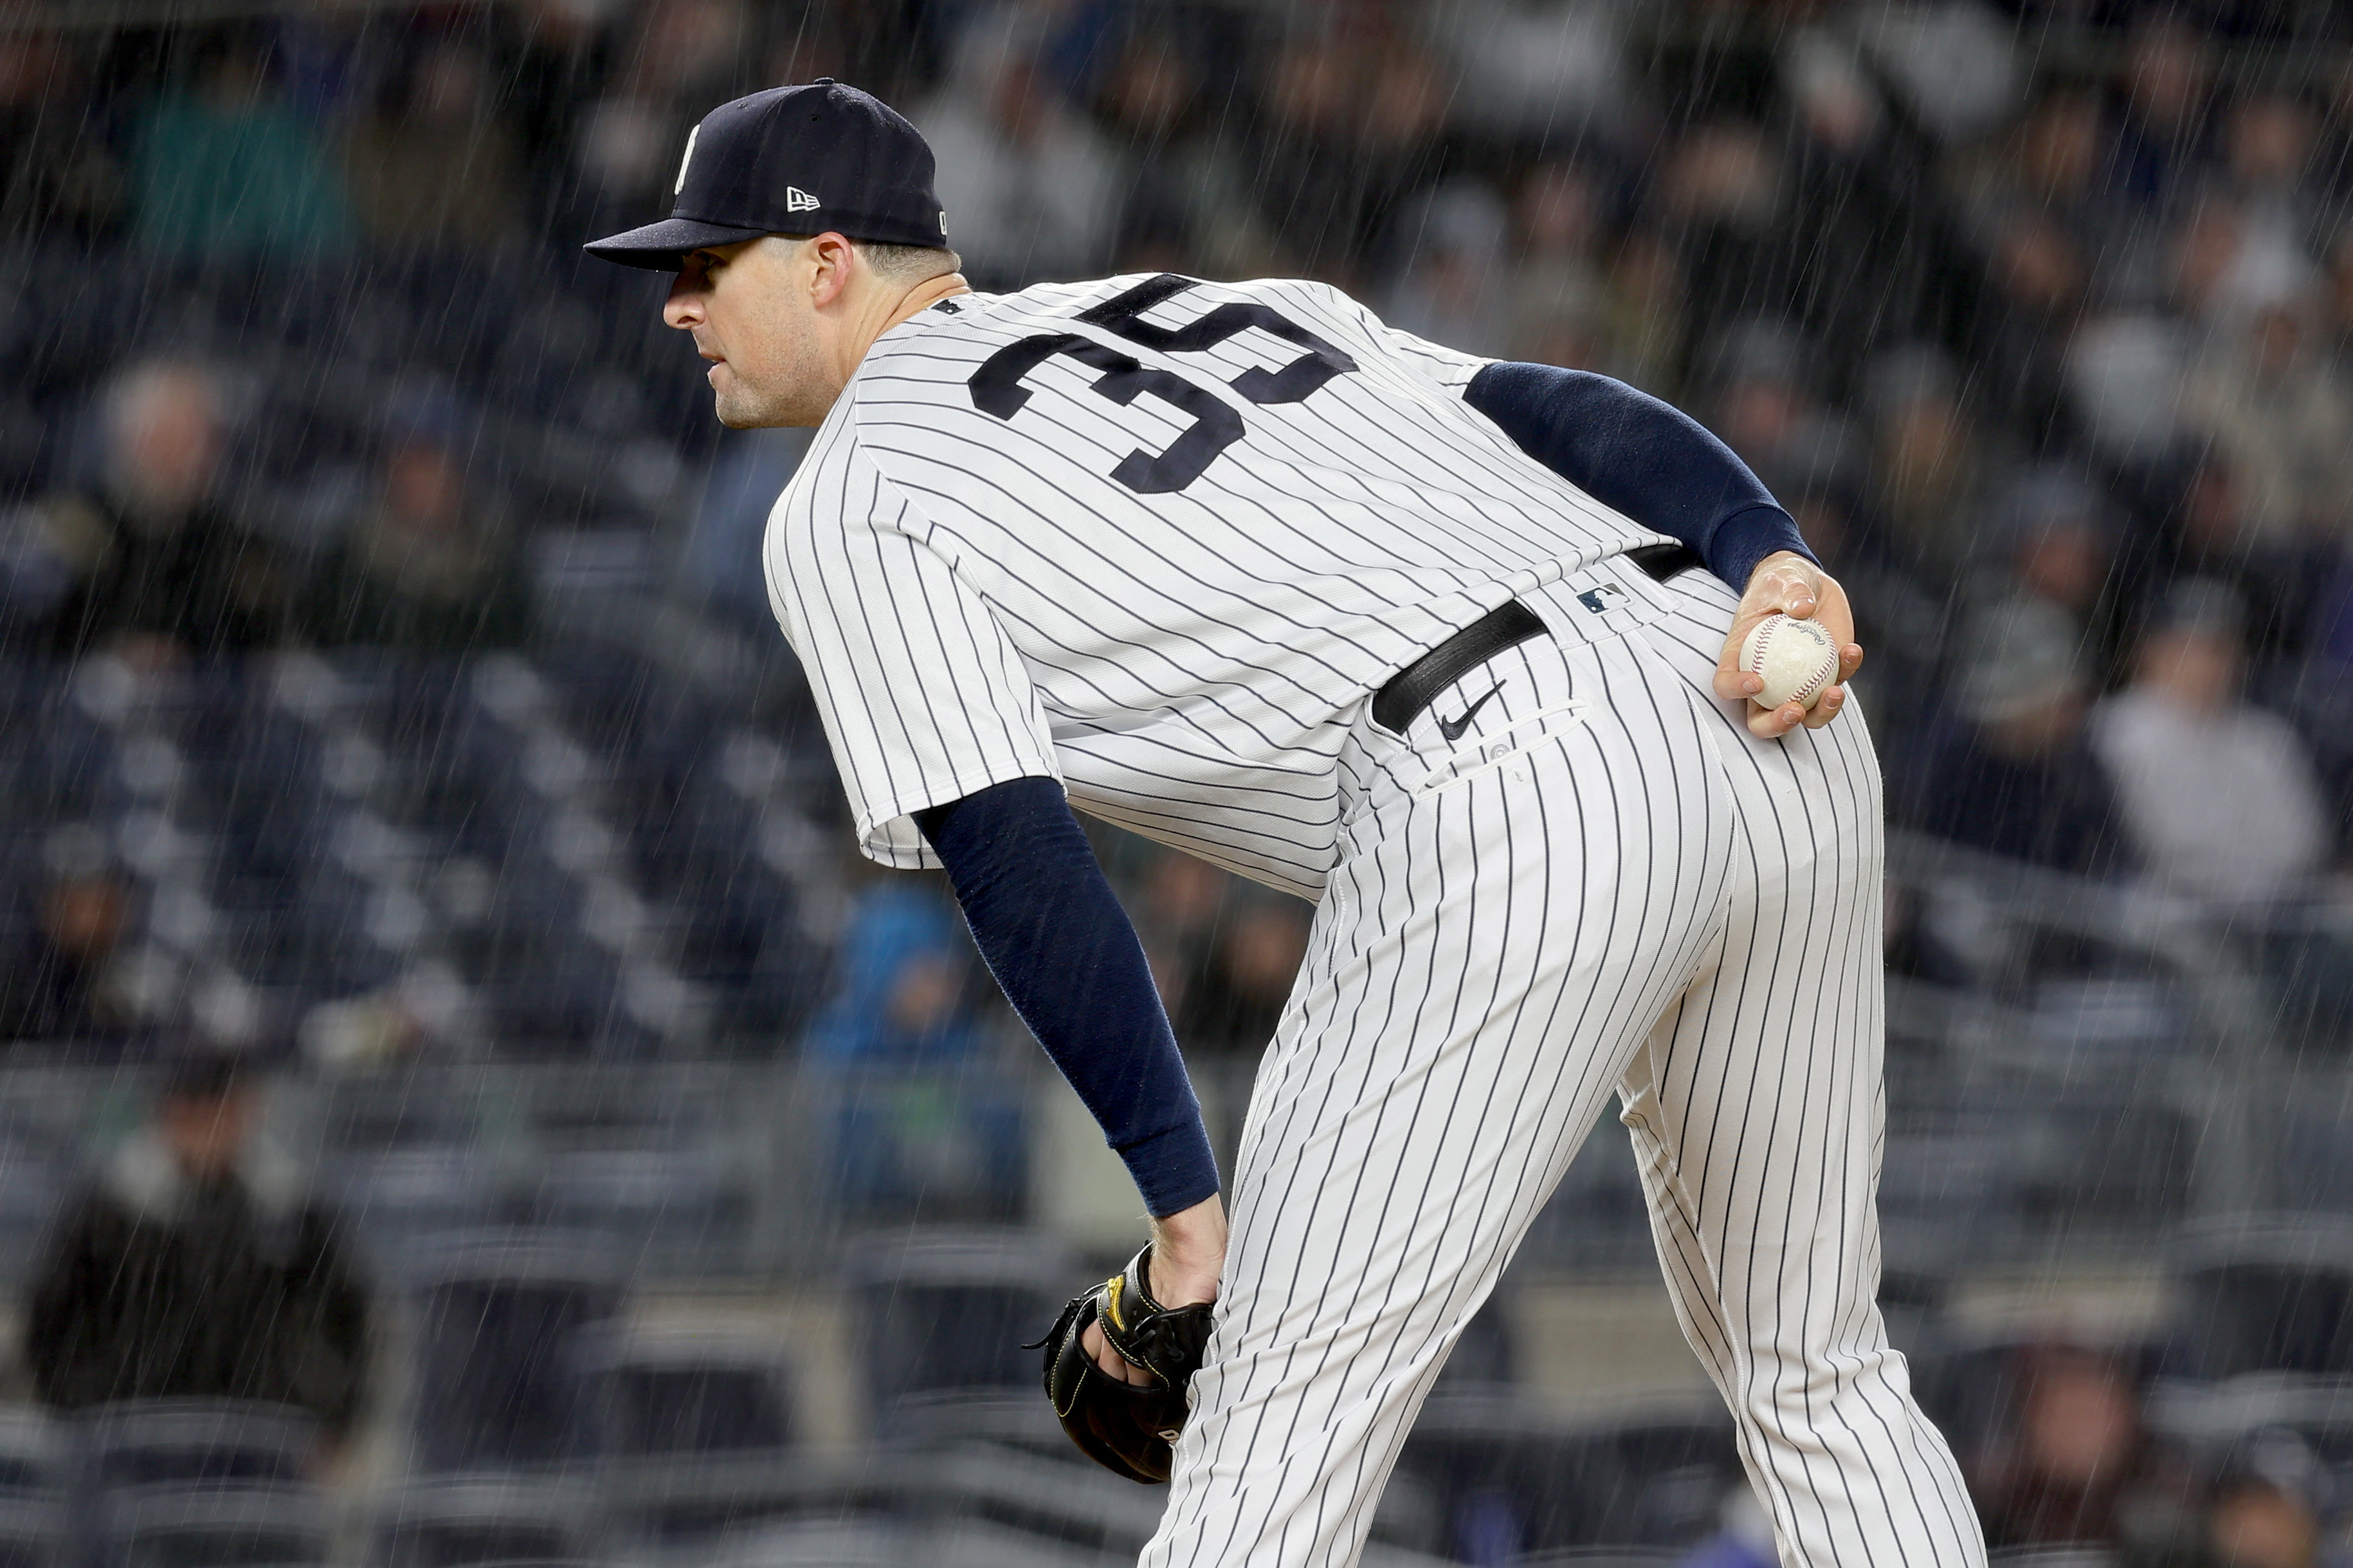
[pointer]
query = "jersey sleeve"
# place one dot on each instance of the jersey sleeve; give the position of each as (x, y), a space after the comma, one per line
(925, 699)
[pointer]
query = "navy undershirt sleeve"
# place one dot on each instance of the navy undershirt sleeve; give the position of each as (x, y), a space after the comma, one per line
(1054, 935)
(1650, 461)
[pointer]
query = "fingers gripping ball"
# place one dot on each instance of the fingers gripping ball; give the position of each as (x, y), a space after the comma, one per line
(1799, 659)
(1128, 1428)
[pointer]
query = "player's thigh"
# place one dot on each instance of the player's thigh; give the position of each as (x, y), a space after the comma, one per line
(1493, 946)
(1756, 1102)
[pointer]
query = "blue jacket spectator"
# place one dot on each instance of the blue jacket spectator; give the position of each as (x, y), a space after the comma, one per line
(900, 1000)
(2013, 774)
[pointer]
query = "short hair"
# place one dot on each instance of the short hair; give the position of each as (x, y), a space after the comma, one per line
(906, 264)
(909, 263)
(131, 393)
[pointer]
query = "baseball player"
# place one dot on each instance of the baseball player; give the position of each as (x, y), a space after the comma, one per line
(1442, 645)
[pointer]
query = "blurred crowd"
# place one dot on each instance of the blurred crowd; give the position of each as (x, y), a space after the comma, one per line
(2047, 350)
(2038, 316)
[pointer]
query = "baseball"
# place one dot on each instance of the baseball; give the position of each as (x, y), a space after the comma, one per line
(1798, 660)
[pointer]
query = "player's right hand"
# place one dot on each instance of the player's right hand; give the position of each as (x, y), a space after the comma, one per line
(1786, 583)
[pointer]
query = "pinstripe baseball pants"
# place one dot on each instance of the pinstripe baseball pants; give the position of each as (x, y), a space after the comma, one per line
(1605, 883)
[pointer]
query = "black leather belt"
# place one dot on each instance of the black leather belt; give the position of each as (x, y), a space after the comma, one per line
(1412, 689)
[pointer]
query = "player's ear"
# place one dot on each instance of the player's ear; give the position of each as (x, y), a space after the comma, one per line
(833, 259)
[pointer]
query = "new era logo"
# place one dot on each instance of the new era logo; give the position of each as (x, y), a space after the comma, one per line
(799, 201)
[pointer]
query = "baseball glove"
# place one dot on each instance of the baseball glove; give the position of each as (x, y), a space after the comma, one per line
(1125, 1427)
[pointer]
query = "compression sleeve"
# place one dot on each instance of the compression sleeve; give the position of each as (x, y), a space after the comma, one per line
(1054, 935)
(1651, 461)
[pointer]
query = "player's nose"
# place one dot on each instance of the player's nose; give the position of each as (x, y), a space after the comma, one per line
(683, 308)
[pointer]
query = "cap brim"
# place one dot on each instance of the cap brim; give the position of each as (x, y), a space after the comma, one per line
(662, 246)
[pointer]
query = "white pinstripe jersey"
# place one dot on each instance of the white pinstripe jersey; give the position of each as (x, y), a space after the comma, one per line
(1155, 538)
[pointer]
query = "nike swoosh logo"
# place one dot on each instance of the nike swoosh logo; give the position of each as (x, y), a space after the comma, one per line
(1453, 728)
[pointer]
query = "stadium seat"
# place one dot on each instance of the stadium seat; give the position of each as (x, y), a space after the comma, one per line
(470, 1522)
(832, 1544)
(214, 1526)
(1649, 1473)
(2264, 1293)
(35, 1532)
(192, 1442)
(656, 1394)
(496, 1318)
(1485, 1358)
(2065, 1556)
(945, 1314)
(33, 1458)
(393, 1199)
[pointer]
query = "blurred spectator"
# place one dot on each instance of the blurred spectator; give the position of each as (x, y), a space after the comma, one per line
(430, 566)
(2161, 145)
(1187, 204)
(1240, 994)
(1176, 917)
(2225, 268)
(1861, 250)
(2075, 1469)
(2014, 776)
(2267, 147)
(2219, 798)
(1768, 410)
(1447, 291)
(720, 563)
(1722, 194)
(1953, 63)
(197, 1264)
(1586, 302)
(70, 980)
(1353, 123)
(2273, 579)
(2255, 1522)
(148, 560)
(1580, 301)
(1938, 473)
(917, 1114)
(2056, 545)
(2123, 375)
(1745, 1540)
(1533, 72)
(1555, 286)
(2281, 418)
(56, 175)
(686, 57)
(900, 999)
(2027, 321)
(1034, 186)
(436, 170)
(2049, 167)
(227, 170)
(551, 55)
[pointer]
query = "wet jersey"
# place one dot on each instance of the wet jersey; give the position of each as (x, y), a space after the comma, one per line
(1155, 538)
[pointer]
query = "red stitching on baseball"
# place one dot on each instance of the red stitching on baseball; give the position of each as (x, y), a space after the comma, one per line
(1803, 694)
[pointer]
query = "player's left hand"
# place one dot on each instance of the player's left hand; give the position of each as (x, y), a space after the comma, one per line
(1788, 583)
(1189, 1254)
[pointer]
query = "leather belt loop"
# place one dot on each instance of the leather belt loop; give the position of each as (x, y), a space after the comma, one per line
(1401, 700)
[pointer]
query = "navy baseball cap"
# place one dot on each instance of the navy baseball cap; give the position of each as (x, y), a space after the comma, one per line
(793, 160)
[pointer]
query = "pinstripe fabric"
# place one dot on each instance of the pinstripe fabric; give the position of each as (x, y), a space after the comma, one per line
(1605, 885)
(976, 599)
(1161, 539)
